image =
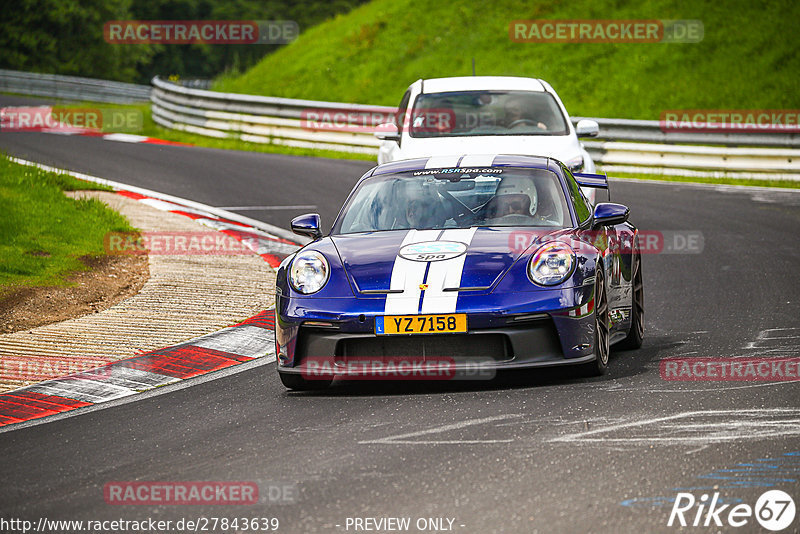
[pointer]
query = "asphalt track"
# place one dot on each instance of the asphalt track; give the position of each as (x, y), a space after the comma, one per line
(535, 452)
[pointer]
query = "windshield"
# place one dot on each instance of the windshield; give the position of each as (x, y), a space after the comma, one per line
(456, 198)
(468, 113)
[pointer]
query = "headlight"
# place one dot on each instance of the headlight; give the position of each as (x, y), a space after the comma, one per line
(309, 272)
(551, 264)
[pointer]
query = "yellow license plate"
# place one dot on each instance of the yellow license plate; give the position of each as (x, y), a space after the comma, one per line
(421, 324)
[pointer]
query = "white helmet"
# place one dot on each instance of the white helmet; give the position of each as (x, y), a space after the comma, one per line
(519, 185)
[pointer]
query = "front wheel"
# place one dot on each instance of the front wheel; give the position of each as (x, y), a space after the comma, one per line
(601, 329)
(298, 383)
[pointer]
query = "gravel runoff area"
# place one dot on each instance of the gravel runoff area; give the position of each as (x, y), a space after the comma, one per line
(186, 296)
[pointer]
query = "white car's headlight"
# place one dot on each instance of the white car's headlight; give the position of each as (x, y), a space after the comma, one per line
(551, 264)
(309, 272)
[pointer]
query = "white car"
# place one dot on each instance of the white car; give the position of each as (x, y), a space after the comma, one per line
(485, 115)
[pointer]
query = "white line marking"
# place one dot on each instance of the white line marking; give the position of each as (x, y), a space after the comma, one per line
(403, 438)
(757, 427)
(125, 138)
(716, 386)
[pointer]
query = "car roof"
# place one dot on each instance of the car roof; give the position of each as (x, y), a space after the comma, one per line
(462, 160)
(477, 83)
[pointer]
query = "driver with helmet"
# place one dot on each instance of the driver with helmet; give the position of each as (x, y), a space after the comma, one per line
(517, 195)
(422, 207)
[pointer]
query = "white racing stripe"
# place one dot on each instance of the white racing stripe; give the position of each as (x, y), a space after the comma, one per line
(407, 275)
(447, 273)
(442, 162)
(482, 160)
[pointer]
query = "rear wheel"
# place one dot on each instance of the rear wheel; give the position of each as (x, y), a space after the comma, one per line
(298, 383)
(636, 333)
(601, 329)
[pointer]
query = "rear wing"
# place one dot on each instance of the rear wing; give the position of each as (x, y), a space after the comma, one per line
(598, 181)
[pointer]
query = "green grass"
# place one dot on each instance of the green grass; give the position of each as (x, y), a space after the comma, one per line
(749, 57)
(43, 233)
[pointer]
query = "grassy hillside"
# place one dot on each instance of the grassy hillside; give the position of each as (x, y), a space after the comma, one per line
(749, 58)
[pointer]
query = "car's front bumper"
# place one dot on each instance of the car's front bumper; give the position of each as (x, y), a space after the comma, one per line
(523, 330)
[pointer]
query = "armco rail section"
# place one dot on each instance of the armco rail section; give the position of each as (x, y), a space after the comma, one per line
(72, 87)
(624, 145)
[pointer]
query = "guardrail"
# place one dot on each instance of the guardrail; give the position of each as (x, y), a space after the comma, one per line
(72, 87)
(258, 119)
(643, 131)
(281, 121)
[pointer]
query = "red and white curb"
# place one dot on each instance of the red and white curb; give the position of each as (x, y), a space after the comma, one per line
(40, 119)
(246, 341)
(120, 137)
(270, 247)
(249, 340)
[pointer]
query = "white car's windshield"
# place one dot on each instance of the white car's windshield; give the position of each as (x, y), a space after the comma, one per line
(470, 113)
(456, 198)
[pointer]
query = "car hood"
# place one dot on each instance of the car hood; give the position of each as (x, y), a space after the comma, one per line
(375, 265)
(560, 147)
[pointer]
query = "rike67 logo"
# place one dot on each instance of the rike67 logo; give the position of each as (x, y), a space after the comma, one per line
(774, 510)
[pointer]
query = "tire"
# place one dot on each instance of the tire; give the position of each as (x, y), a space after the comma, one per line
(599, 366)
(636, 334)
(298, 383)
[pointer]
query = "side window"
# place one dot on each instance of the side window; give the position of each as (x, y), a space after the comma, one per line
(581, 209)
(401, 111)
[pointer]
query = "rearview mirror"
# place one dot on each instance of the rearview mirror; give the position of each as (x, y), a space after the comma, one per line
(308, 225)
(587, 128)
(387, 132)
(609, 214)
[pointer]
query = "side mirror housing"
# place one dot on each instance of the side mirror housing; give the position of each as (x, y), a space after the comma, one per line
(587, 128)
(609, 214)
(387, 132)
(308, 225)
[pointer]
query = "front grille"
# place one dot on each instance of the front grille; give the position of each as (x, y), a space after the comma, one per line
(494, 346)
